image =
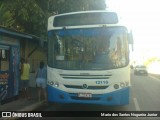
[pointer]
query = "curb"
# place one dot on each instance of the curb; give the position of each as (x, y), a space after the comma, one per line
(32, 107)
(155, 75)
(27, 109)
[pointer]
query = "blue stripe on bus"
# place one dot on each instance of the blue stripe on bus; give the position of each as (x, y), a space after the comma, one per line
(119, 97)
(86, 32)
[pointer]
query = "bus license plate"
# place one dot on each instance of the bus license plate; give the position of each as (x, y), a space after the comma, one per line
(86, 95)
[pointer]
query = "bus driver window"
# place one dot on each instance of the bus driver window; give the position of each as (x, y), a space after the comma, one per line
(4, 59)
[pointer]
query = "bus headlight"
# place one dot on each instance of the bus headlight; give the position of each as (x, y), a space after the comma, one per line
(56, 84)
(122, 84)
(50, 82)
(116, 86)
(127, 84)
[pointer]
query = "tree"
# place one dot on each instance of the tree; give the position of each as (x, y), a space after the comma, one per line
(63, 6)
(31, 16)
(6, 18)
(27, 16)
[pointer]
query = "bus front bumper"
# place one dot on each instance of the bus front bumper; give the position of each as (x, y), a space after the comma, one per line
(119, 97)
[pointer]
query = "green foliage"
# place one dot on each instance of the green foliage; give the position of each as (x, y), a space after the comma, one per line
(6, 18)
(151, 60)
(63, 6)
(31, 15)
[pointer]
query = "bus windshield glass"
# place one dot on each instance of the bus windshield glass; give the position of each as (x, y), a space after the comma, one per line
(88, 49)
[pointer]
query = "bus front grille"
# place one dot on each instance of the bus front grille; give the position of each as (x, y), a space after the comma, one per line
(69, 76)
(89, 87)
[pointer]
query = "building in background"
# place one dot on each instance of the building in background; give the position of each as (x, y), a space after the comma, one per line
(14, 46)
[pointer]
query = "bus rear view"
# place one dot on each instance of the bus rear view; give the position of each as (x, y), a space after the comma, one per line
(88, 59)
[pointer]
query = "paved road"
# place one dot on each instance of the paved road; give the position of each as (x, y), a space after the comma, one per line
(145, 96)
(146, 93)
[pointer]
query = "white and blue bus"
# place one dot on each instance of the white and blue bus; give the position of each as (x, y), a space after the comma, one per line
(88, 59)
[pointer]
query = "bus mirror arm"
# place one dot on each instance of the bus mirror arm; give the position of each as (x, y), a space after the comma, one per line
(130, 38)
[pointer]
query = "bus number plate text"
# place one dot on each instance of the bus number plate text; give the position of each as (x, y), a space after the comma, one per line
(86, 95)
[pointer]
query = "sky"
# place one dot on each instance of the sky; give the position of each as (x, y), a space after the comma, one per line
(143, 16)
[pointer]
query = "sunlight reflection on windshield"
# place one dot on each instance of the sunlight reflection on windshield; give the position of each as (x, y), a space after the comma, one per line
(143, 17)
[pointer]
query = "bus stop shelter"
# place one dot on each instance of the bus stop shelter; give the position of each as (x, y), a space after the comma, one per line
(10, 54)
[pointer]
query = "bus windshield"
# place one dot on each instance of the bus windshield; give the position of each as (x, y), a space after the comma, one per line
(88, 49)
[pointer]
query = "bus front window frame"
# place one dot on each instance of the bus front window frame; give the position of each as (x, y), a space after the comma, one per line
(64, 51)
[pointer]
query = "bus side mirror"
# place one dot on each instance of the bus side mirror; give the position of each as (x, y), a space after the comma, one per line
(130, 39)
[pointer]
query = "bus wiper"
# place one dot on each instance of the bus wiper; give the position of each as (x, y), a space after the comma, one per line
(57, 37)
(76, 42)
(64, 28)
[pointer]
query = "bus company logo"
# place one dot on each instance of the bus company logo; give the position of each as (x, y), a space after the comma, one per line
(84, 86)
(6, 114)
